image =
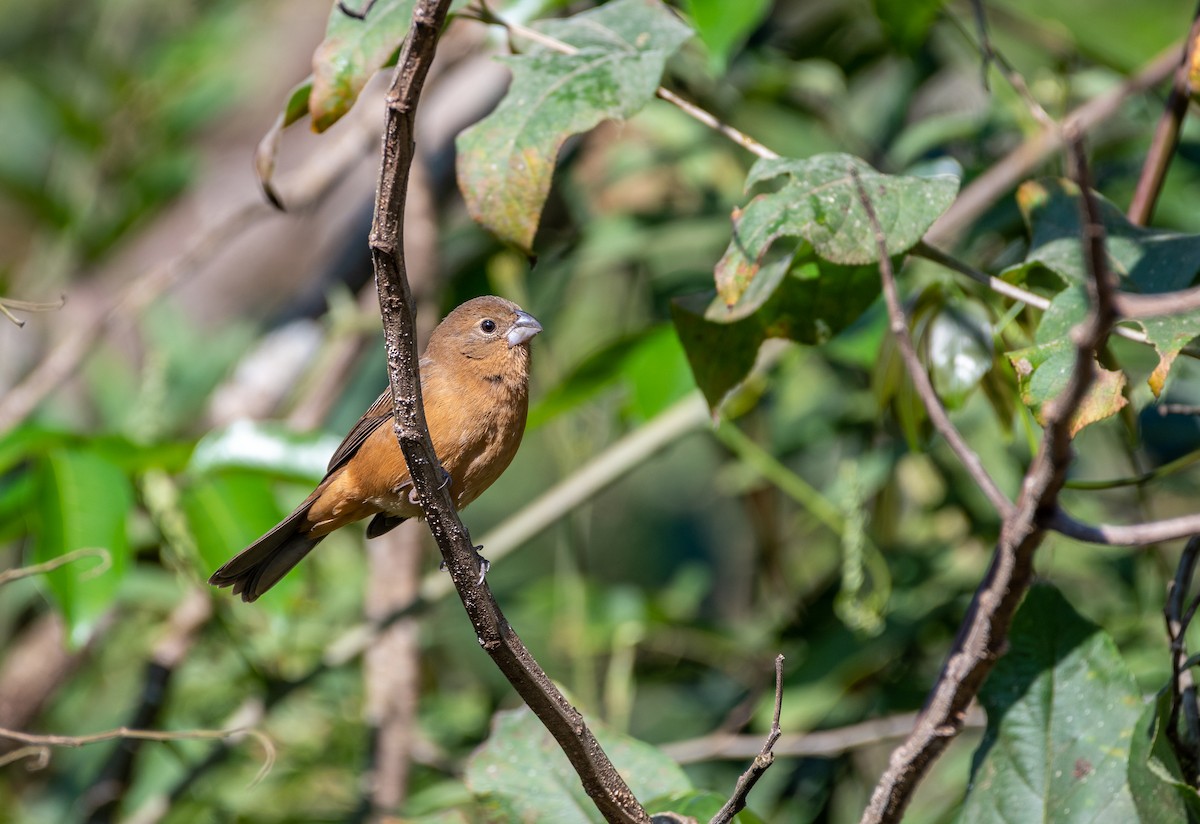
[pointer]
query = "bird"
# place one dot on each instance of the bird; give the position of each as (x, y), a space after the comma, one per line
(475, 387)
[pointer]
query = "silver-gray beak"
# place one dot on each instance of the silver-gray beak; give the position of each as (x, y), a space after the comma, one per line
(525, 327)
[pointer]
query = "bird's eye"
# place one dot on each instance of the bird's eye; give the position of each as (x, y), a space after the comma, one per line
(488, 325)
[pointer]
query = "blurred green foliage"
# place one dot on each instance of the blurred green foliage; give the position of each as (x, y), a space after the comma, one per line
(819, 519)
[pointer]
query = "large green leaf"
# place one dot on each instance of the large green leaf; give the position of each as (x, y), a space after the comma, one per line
(352, 51)
(1156, 782)
(1145, 260)
(819, 202)
(1062, 707)
(506, 161)
(522, 775)
(228, 510)
(83, 502)
(807, 301)
(1044, 368)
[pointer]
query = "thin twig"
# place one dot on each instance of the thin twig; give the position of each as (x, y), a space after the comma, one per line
(1162, 304)
(8, 305)
(357, 15)
(486, 15)
(72, 741)
(984, 631)
(1169, 468)
(1151, 532)
(600, 778)
(104, 555)
(822, 743)
(764, 759)
(916, 371)
(1165, 409)
(1166, 134)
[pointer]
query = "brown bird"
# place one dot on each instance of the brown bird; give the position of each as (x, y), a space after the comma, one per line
(475, 385)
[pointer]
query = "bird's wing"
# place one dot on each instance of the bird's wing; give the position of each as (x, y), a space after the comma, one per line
(379, 412)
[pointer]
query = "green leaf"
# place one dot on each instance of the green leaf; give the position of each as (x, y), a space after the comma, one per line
(522, 774)
(228, 510)
(267, 150)
(84, 501)
(1062, 707)
(959, 345)
(724, 26)
(1044, 369)
(806, 300)
(506, 161)
(819, 202)
(1155, 779)
(352, 51)
(602, 369)
(1145, 260)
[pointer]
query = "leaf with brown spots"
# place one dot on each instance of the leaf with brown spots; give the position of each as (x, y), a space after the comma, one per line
(506, 160)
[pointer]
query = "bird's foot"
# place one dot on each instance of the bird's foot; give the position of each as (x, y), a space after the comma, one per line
(484, 564)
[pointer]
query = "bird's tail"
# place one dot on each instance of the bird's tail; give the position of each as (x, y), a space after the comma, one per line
(259, 566)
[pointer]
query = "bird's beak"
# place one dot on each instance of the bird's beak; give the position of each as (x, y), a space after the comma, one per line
(525, 327)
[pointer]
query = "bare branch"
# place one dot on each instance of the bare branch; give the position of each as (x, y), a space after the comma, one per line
(822, 743)
(73, 741)
(764, 759)
(1131, 305)
(104, 555)
(9, 305)
(600, 779)
(1152, 532)
(984, 631)
(1166, 134)
(916, 371)
(1018, 164)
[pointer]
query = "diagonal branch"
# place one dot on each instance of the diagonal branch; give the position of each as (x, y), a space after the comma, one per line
(984, 631)
(1166, 134)
(898, 322)
(764, 759)
(600, 778)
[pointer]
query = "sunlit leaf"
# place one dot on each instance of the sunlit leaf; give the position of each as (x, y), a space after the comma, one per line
(352, 51)
(1044, 369)
(1062, 707)
(819, 202)
(522, 775)
(264, 447)
(959, 345)
(506, 161)
(83, 502)
(1145, 260)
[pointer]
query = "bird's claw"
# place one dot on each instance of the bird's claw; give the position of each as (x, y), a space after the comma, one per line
(415, 499)
(484, 565)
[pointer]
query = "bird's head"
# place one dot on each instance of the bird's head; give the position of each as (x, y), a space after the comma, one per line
(491, 332)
